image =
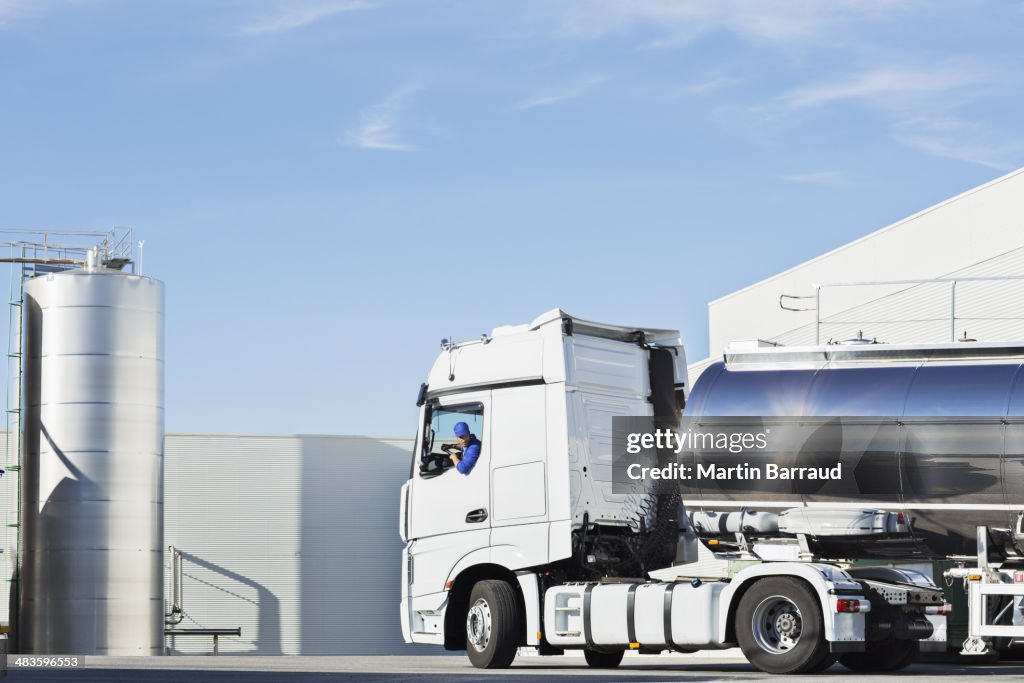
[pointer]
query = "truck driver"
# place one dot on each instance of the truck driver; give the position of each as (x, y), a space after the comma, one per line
(464, 456)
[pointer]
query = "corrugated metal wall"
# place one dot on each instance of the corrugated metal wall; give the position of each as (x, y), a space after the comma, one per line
(293, 538)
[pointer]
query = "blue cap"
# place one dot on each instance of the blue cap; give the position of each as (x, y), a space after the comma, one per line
(461, 429)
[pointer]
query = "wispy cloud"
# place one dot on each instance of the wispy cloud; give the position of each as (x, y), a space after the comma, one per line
(906, 90)
(833, 179)
(378, 128)
(683, 20)
(887, 85)
(953, 139)
(709, 86)
(9, 10)
(12, 11)
(287, 16)
(555, 96)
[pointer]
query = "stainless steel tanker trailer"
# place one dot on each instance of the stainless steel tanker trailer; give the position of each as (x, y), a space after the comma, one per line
(936, 431)
(933, 432)
(548, 541)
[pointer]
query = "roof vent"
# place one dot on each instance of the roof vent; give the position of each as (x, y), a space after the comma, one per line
(859, 340)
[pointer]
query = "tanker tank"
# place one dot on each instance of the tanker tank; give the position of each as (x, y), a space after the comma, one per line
(92, 559)
(945, 425)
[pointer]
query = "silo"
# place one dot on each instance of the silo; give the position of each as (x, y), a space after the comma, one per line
(91, 565)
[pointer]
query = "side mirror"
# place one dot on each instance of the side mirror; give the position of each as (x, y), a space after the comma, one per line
(421, 397)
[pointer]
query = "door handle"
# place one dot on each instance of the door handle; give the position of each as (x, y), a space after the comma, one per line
(477, 515)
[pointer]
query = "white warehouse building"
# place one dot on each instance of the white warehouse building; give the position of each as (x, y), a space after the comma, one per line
(969, 249)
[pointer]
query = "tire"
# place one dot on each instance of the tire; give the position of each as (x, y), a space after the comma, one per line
(493, 625)
(603, 660)
(891, 655)
(779, 627)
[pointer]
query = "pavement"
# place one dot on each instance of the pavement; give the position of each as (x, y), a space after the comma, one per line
(456, 669)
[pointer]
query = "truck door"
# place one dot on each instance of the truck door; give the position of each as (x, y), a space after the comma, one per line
(444, 500)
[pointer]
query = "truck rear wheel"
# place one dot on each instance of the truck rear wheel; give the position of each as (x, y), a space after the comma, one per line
(603, 660)
(493, 625)
(892, 655)
(779, 627)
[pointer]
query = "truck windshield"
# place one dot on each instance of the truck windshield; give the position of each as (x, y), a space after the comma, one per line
(439, 434)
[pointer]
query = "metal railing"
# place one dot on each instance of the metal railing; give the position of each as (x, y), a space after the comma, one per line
(793, 305)
(42, 251)
(215, 632)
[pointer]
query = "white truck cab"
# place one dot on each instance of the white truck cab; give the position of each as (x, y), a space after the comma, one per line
(540, 397)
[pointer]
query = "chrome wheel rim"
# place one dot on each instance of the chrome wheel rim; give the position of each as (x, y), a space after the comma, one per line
(478, 625)
(777, 625)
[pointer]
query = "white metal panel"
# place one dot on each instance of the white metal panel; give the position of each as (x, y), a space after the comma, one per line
(649, 611)
(608, 614)
(591, 441)
(597, 412)
(705, 565)
(563, 615)
(530, 589)
(518, 442)
(434, 558)
(512, 358)
(519, 493)
(517, 422)
(607, 366)
(520, 546)
(291, 538)
(695, 613)
(556, 433)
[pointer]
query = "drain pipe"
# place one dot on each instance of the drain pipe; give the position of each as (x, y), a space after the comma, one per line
(177, 613)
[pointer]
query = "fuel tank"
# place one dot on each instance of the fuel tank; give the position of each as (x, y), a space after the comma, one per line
(936, 431)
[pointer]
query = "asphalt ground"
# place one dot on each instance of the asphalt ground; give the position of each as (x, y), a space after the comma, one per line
(450, 669)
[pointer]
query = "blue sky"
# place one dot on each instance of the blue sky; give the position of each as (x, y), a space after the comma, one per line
(329, 187)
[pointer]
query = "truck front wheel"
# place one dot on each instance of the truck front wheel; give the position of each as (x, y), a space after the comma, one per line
(493, 625)
(779, 627)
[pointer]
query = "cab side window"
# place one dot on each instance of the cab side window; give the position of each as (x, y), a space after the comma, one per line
(439, 435)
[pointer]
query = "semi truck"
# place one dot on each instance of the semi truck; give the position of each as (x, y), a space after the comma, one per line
(537, 547)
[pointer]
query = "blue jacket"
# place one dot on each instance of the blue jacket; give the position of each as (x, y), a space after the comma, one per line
(469, 456)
